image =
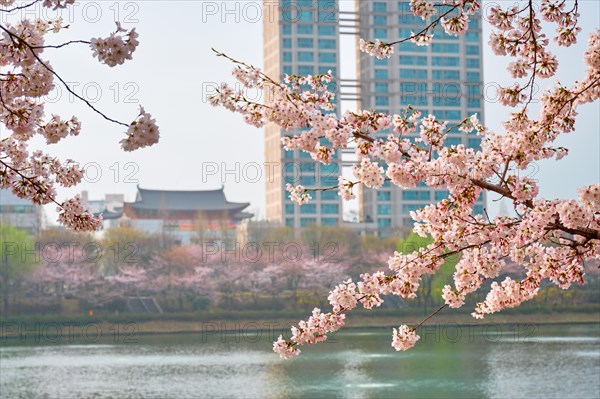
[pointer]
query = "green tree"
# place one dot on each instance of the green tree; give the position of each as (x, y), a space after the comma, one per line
(430, 290)
(18, 258)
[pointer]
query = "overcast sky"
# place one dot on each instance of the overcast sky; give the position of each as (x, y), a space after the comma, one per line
(174, 70)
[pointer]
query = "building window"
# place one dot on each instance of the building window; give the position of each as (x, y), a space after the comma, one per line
(307, 221)
(416, 195)
(286, 29)
(441, 194)
(384, 223)
(308, 208)
(289, 222)
(380, 20)
(413, 74)
(445, 74)
(383, 209)
(382, 101)
(287, 43)
(306, 56)
(381, 74)
(472, 50)
(472, 62)
(384, 196)
(472, 37)
(289, 208)
(407, 208)
(380, 33)
(473, 77)
(328, 57)
(327, 44)
(412, 60)
(329, 195)
(304, 42)
(287, 56)
(329, 221)
(379, 6)
(326, 30)
(445, 61)
(305, 70)
(330, 209)
(445, 48)
(474, 142)
(305, 29)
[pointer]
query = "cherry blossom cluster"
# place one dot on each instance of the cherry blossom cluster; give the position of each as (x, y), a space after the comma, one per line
(25, 77)
(549, 238)
(142, 132)
(298, 193)
(376, 48)
(115, 49)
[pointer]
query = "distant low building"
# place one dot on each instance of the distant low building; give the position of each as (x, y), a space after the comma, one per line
(186, 216)
(111, 208)
(20, 213)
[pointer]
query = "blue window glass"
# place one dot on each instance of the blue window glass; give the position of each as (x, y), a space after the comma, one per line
(306, 56)
(413, 100)
(410, 19)
(445, 61)
(441, 194)
(289, 222)
(381, 74)
(305, 29)
(380, 20)
(329, 221)
(411, 47)
(474, 102)
(473, 77)
(287, 70)
(379, 6)
(413, 88)
(414, 195)
(412, 60)
(377, 61)
(445, 74)
(329, 195)
(307, 167)
(382, 101)
(327, 57)
(304, 154)
(478, 209)
(304, 3)
(383, 209)
(472, 36)
(324, 69)
(307, 221)
(444, 47)
(286, 29)
(288, 154)
(304, 42)
(384, 222)
(305, 15)
(474, 142)
(384, 195)
(406, 208)
(308, 208)
(330, 209)
(380, 33)
(381, 87)
(413, 74)
(327, 43)
(307, 180)
(305, 70)
(472, 62)
(287, 56)
(405, 32)
(289, 208)
(472, 50)
(450, 141)
(287, 43)
(326, 30)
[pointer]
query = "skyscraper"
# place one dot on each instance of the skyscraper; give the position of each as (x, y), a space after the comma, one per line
(444, 79)
(300, 37)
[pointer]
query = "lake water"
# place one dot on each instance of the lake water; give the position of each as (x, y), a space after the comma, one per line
(519, 361)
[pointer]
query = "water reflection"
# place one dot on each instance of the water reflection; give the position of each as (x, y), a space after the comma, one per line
(556, 362)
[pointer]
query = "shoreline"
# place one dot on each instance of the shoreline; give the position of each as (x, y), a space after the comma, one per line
(54, 331)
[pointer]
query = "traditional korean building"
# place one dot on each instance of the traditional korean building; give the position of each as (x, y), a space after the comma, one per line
(186, 216)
